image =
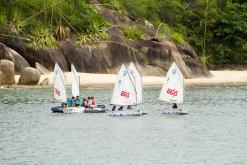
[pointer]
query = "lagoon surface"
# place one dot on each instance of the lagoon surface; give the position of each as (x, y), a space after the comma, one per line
(213, 133)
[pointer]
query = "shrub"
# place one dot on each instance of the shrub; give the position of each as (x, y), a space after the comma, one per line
(132, 33)
(205, 59)
(42, 36)
(18, 21)
(3, 18)
(92, 38)
(177, 38)
(60, 33)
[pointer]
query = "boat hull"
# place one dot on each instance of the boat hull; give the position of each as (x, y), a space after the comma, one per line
(125, 113)
(174, 111)
(98, 109)
(59, 109)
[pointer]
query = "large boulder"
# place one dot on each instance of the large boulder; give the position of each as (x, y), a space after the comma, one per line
(10, 54)
(41, 68)
(45, 56)
(29, 76)
(8, 72)
(150, 70)
(44, 82)
(163, 54)
(192, 61)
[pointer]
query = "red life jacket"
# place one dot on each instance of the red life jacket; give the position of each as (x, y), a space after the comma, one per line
(93, 102)
(85, 104)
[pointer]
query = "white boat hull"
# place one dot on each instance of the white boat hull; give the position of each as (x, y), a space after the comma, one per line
(174, 111)
(73, 110)
(59, 109)
(125, 113)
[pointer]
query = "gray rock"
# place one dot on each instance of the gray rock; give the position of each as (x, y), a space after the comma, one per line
(149, 70)
(10, 54)
(8, 72)
(44, 82)
(1, 77)
(41, 68)
(29, 76)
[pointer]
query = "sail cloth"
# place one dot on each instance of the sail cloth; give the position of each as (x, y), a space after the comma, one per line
(59, 84)
(137, 81)
(75, 82)
(173, 87)
(124, 91)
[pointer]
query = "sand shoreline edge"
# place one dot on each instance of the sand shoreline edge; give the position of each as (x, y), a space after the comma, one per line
(88, 80)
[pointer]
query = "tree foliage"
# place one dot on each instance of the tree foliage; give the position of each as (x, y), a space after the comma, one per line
(217, 29)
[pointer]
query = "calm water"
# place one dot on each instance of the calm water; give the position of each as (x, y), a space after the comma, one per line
(214, 132)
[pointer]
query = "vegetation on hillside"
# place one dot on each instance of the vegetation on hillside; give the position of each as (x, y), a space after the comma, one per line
(217, 29)
(44, 22)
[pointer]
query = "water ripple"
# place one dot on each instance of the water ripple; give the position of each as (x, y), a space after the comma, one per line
(214, 132)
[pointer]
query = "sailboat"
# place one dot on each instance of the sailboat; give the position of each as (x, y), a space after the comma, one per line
(60, 93)
(75, 88)
(127, 92)
(173, 90)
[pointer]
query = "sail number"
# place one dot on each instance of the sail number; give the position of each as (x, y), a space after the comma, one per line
(172, 92)
(125, 94)
(57, 91)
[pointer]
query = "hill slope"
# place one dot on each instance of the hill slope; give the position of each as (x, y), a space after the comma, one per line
(97, 36)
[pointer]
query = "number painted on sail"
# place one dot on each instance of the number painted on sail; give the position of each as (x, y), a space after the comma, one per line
(57, 91)
(173, 87)
(125, 94)
(124, 91)
(59, 84)
(172, 92)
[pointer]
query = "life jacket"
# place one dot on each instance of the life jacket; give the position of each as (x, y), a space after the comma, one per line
(69, 102)
(93, 102)
(72, 102)
(85, 103)
(89, 103)
(78, 102)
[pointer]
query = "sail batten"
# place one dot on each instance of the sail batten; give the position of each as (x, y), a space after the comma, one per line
(173, 87)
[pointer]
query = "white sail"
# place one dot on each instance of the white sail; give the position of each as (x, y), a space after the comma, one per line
(173, 87)
(124, 92)
(59, 84)
(75, 82)
(137, 81)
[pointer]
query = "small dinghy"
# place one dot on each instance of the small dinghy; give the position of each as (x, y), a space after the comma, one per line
(75, 92)
(60, 91)
(127, 92)
(173, 90)
(98, 109)
(174, 111)
(126, 112)
(60, 109)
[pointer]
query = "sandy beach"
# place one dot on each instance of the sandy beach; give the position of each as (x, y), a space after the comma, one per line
(101, 80)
